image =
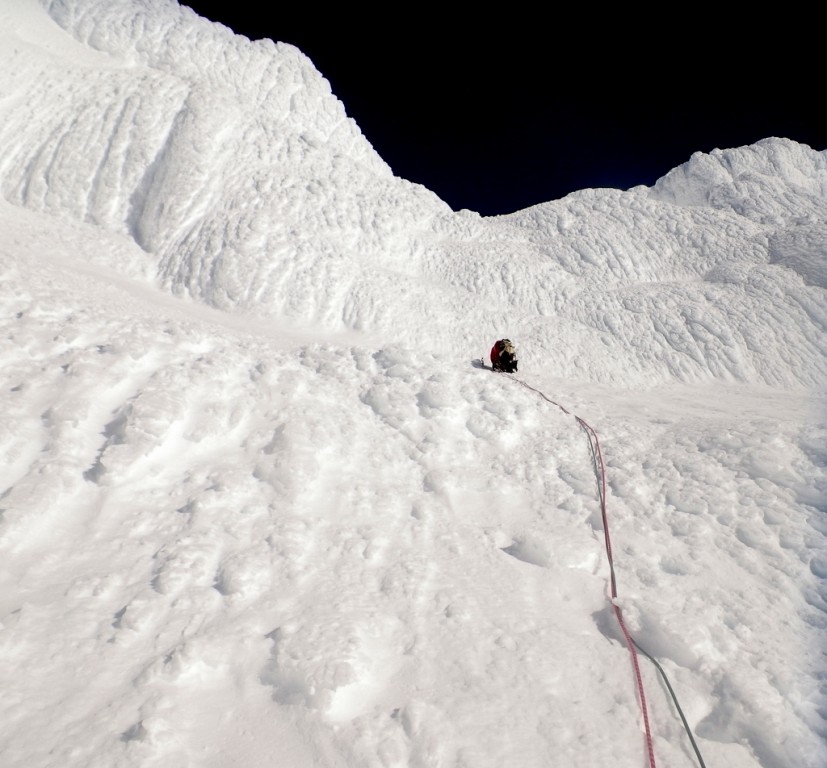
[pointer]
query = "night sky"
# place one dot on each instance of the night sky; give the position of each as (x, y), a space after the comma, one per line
(499, 111)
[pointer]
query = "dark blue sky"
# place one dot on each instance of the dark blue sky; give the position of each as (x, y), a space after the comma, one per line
(496, 113)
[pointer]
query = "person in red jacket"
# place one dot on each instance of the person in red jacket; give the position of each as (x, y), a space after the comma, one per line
(504, 356)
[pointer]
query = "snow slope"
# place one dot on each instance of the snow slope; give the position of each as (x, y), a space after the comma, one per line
(260, 508)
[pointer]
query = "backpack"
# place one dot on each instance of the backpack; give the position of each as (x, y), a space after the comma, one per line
(507, 356)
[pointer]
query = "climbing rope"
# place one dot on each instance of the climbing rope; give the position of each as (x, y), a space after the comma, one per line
(600, 472)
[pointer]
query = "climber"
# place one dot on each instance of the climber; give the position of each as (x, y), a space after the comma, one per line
(504, 356)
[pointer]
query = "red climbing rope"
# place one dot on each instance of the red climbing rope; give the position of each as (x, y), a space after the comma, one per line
(600, 470)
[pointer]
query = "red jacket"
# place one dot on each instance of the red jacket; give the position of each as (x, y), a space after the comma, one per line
(495, 353)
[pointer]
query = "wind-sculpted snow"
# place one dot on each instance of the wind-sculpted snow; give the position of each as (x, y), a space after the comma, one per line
(229, 538)
(258, 505)
(676, 291)
(773, 182)
(231, 161)
(236, 168)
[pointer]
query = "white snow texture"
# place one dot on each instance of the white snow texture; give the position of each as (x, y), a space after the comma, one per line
(261, 507)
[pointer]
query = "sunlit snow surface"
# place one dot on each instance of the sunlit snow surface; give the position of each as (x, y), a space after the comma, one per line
(259, 507)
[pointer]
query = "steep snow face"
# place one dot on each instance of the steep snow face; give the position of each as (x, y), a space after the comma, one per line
(320, 536)
(709, 273)
(231, 161)
(774, 181)
(238, 173)
(225, 540)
